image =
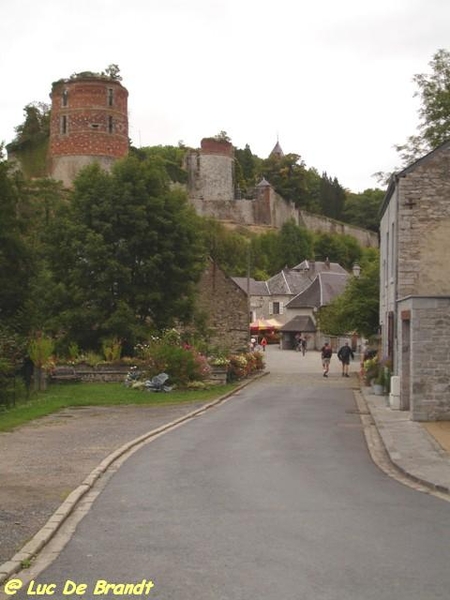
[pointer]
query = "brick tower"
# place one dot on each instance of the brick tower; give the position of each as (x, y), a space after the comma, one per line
(89, 122)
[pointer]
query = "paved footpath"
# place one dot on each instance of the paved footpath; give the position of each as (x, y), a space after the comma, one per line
(42, 463)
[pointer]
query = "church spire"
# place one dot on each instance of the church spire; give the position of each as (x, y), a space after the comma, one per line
(277, 151)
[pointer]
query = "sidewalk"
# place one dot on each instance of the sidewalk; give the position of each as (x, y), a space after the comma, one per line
(420, 450)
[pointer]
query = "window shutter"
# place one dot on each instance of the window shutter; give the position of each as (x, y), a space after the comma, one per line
(270, 308)
(281, 308)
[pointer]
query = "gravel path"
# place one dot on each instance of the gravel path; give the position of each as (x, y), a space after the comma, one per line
(42, 462)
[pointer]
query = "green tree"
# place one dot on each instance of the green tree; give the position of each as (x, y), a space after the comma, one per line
(434, 112)
(342, 249)
(295, 244)
(31, 142)
(363, 209)
(357, 309)
(125, 256)
(332, 197)
(16, 257)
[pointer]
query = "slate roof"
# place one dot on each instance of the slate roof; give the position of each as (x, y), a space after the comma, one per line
(291, 282)
(318, 266)
(257, 288)
(321, 291)
(300, 323)
(277, 150)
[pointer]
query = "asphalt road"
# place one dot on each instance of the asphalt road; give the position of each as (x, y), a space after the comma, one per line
(272, 496)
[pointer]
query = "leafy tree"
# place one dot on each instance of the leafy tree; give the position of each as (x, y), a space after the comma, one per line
(332, 197)
(125, 256)
(168, 157)
(434, 112)
(230, 249)
(295, 244)
(16, 258)
(287, 174)
(342, 249)
(362, 209)
(31, 141)
(357, 309)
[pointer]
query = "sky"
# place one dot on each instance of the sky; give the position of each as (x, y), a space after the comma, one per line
(332, 81)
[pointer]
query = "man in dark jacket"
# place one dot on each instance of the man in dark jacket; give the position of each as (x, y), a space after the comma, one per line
(344, 355)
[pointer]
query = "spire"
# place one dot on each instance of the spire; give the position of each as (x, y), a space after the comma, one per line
(277, 151)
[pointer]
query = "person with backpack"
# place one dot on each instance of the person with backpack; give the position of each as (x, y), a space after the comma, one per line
(326, 353)
(344, 355)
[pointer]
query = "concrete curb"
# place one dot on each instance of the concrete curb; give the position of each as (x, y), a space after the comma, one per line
(46, 533)
(391, 452)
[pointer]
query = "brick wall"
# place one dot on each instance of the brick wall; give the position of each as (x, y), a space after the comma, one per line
(89, 119)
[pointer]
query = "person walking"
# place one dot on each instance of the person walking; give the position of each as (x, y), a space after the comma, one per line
(264, 344)
(303, 344)
(326, 353)
(344, 355)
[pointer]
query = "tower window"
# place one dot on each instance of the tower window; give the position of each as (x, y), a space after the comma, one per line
(110, 96)
(110, 125)
(64, 124)
(65, 97)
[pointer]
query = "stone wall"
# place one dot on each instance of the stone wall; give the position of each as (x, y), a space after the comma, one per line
(211, 190)
(424, 223)
(211, 171)
(425, 380)
(225, 307)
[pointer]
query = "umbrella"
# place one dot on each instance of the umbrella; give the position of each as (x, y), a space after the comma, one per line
(263, 324)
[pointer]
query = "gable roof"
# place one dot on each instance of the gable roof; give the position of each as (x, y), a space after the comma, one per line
(257, 288)
(324, 288)
(300, 323)
(317, 266)
(409, 169)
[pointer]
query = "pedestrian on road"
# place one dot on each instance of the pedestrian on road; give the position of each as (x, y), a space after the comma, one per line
(264, 344)
(326, 354)
(344, 355)
(303, 344)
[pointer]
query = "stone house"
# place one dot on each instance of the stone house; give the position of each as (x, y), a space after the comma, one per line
(224, 307)
(296, 292)
(415, 284)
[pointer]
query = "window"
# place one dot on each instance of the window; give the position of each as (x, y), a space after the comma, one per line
(64, 124)
(110, 125)
(65, 97)
(110, 96)
(276, 308)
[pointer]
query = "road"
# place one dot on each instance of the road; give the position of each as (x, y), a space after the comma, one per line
(272, 495)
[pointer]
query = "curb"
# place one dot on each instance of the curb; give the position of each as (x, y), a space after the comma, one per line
(46, 533)
(434, 487)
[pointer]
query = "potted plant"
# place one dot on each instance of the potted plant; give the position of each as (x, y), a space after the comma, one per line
(379, 384)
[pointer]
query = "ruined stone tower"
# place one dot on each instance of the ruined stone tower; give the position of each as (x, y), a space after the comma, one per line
(211, 171)
(89, 122)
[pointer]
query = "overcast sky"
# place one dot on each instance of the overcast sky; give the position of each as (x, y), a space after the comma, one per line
(333, 80)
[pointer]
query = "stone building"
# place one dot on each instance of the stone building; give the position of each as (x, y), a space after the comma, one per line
(415, 284)
(224, 306)
(89, 123)
(296, 293)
